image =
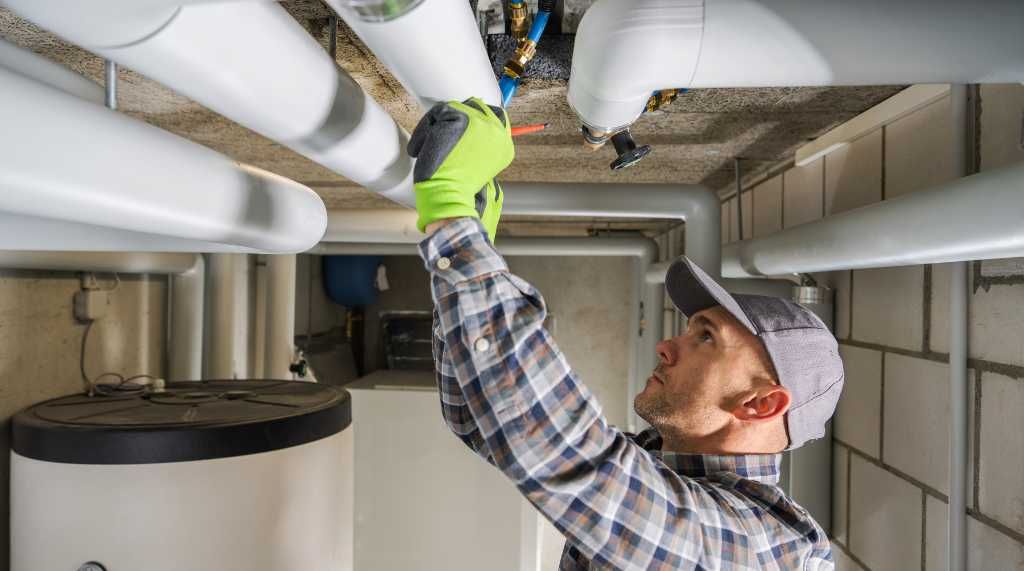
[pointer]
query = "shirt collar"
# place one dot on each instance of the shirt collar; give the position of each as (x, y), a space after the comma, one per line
(764, 468)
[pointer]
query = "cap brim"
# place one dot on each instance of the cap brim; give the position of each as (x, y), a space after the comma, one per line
(692, 291)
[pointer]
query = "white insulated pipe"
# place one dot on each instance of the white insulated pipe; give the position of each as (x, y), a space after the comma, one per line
(254, 64)
(34, 66)
(753, 43)
(228, 344)
(959, 432)
(185, 273)
(122, 174)
(279, 350)
(381, 226)
(979, 217)
(433, 47)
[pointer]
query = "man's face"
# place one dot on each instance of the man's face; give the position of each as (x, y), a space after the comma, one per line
(701, 375)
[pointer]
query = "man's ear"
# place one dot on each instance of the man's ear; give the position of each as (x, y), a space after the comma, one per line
(764, 403)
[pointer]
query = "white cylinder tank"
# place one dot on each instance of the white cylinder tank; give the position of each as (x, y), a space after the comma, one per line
(205, 476)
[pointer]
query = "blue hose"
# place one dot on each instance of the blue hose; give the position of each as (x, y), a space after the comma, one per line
(509, 84)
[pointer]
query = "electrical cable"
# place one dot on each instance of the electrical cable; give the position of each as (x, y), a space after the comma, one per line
(123, 386)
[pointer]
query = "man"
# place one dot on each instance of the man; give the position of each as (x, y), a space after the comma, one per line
(750, 377)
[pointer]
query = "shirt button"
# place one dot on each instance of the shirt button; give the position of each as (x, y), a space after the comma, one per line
(443, 263)
(482, 345)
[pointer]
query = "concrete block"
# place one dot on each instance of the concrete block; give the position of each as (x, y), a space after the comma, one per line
(804, 192)
(916, 419)
(840, 486)
(996, 328)
(1001, 471)
(853, 174)
(1002, 125)
(885, 518)
(888, 306)
(918, 150)
(987, 548)
(858, 416)
(767, 216)
(843, 561)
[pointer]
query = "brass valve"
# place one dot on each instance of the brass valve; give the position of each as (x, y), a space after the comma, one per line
(661, 99)
(519, 21)
(516, 67)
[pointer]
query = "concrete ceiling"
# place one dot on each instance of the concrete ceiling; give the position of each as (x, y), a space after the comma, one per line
(694, 139)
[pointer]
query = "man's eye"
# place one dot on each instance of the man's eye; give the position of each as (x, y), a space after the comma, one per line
(705, 337)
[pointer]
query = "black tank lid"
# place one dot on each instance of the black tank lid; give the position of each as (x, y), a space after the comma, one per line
(199, 420)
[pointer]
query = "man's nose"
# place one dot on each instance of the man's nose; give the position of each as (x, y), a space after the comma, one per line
(666, 352)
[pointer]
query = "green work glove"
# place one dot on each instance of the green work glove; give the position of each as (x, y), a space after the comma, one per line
(459, 149)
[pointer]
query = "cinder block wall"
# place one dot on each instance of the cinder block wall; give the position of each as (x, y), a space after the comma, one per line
(891, 434)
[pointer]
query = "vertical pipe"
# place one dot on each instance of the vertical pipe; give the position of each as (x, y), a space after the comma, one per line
(110, 87)
(739, 195)
(259, 316)
(227, 345)
(280, 325)
(332, 37)
(958, 387)
(185, 352)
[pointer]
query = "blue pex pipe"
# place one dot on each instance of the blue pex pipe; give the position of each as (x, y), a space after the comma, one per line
(507, 84)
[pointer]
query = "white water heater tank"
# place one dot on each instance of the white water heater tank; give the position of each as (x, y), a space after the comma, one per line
(206, 476)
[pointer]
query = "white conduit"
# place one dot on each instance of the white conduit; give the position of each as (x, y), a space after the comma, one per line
(229, 345)
(254, 64)
(185, 355)
(978, 217)
(643, 354)
(37, 67)
(958, 396)
(120, 174)
(440, 56)
(751, 43)
(280, 326)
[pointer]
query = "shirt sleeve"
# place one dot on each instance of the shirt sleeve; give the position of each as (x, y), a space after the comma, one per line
(453, 405)
(545, 431)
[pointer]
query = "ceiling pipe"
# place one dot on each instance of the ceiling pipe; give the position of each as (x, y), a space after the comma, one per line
(698, 206)
(627, 49)
(433, 47)
(129, 179)
(646, 314)
(34, 66)
(978, 217)
(253, 63)
(185, 273)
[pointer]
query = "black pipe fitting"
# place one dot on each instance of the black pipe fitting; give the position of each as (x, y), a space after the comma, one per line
(629, 153)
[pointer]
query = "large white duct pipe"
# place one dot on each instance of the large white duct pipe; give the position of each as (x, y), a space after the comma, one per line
(433, 47)
(34, 66)
(647, 316)
(186, 297)
(254, 64)
(383, 226)
(119, 173)
(280, 326)
(979, 217)
(626, 49)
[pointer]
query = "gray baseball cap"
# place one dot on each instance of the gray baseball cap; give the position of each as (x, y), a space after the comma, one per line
(802, 349)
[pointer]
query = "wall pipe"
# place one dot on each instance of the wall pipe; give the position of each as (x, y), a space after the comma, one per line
(269, 75)
(197, 199)
(751, 43)
(185, 271)
(646, 316)
(963, 147)
(227, 347)
(34, 66)
(980, 219)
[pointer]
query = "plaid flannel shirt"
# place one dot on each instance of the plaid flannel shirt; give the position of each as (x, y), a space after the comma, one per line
(510, 395)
